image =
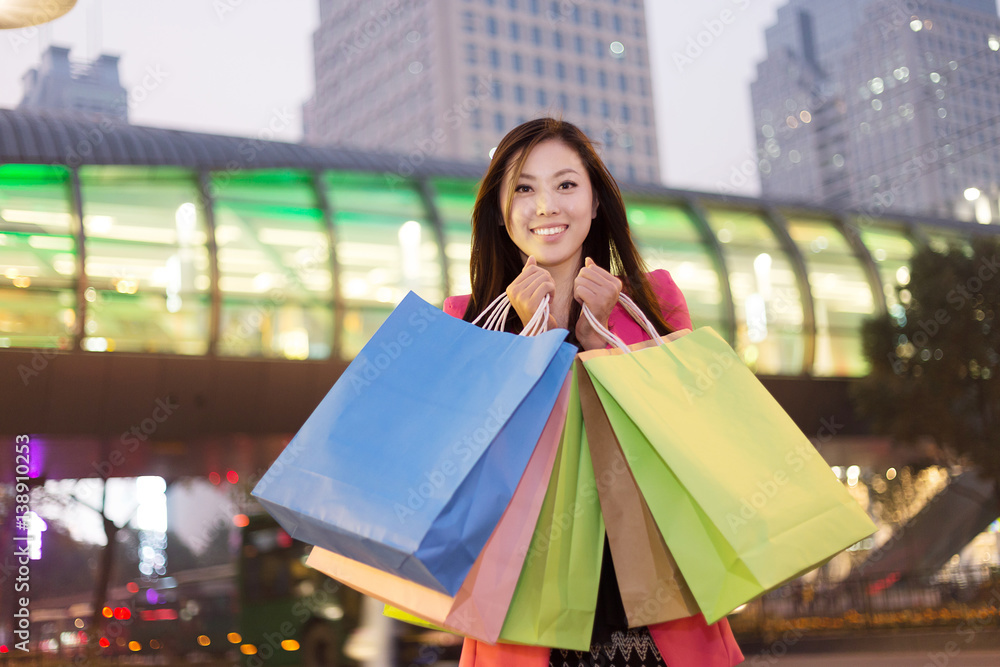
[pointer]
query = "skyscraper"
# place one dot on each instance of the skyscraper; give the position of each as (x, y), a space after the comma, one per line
(449, 78)
(887, 105)
(59, 84)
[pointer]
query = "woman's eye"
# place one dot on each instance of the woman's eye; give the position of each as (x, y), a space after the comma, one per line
(569, 183)
(526, 188)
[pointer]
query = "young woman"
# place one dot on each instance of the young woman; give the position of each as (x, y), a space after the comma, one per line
(549, 220)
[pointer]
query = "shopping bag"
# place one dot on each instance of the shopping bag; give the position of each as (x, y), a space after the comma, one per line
(389, 469)
(742, 498)
(651, 586)
(556, 595)
(479, 609)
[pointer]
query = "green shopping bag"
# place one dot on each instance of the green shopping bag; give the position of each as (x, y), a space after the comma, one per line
(742, 498)
(556, 595)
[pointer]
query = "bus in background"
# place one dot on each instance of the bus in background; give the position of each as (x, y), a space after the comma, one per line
(290, 614)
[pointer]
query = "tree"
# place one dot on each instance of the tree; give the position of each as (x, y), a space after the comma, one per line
(935, 367)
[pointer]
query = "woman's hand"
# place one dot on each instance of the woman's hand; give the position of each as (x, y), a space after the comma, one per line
(528, 289)
(598, 290)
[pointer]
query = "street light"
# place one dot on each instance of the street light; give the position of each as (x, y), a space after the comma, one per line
(24, 13)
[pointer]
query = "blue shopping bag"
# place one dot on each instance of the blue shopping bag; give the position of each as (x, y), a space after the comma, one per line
(411, 458)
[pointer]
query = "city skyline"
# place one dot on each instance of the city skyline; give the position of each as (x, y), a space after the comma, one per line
(859, 103)
(702, 61)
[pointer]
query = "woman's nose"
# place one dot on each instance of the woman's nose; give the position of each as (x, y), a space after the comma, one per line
(545, 204)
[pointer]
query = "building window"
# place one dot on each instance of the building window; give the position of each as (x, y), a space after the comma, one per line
(543, 98)
(39, 243)
(623, 83)
(557, 40)
(599, 48)
(539, 67)
(515, 31)
(491, 25)
(645, 116)
(596, 18)
(578, 43)
(561, 70)
(495, 58)
(498, 122)
(581, 75)
(642, 85)
(563, 102)
(626, 113)
(617, 23)
(516, 62)
(477, 119)
(602, 79)
(535, 9)
(519, 94)
(468, 22)
(584, 106)
(512, 4)
(497, 91)
(605, 109)
(577, 19)
(470, 54)
(631, 173)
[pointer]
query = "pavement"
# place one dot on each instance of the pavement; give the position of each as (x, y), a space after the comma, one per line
(939, 658)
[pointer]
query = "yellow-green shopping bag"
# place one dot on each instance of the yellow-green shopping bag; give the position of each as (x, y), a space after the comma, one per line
(742, 498)
(556, 595)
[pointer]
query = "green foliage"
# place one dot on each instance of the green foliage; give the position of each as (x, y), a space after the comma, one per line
(935, 362)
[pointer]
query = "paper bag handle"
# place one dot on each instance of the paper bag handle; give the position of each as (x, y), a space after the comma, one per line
(500, 307)
(632, 309)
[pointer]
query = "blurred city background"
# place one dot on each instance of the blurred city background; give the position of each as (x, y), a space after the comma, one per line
(207, 208)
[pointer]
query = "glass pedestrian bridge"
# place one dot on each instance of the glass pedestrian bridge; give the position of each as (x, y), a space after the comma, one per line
(116, 238)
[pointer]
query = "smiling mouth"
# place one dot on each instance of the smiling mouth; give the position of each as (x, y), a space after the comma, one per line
(549, 231)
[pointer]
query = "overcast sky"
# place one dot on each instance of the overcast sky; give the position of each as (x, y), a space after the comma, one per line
(231, 66)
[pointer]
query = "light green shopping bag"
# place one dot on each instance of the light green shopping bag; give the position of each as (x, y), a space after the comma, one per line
(742, 498)
(556, 595)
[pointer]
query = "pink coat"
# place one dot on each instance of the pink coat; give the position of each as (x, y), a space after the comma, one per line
(687, 642)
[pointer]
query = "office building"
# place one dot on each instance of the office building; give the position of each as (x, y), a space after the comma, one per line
(450, 78)
(882, 106)
(60, 84)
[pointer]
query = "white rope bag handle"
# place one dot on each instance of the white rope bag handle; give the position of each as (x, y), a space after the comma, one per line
(632, 309)
(499, 308)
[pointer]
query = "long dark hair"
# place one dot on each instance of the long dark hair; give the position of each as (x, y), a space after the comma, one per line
(496, 261)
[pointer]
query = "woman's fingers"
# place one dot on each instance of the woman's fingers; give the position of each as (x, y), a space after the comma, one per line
(529, 288)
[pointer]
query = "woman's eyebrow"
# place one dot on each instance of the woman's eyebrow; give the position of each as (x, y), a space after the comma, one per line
(557, 174)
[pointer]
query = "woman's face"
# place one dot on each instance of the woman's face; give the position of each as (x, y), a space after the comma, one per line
(552, 207)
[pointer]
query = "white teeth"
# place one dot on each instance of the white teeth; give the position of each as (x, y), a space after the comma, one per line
(548, 231)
